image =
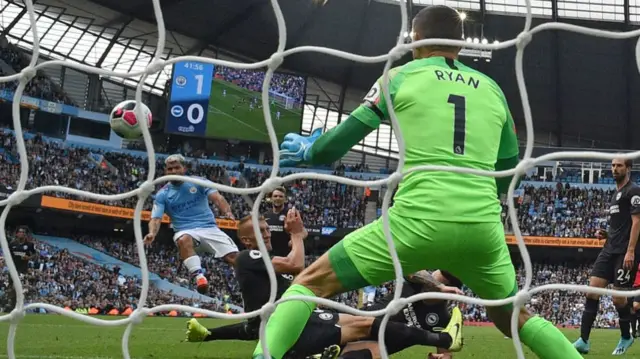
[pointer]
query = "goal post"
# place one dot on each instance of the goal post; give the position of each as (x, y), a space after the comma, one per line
(285, 101)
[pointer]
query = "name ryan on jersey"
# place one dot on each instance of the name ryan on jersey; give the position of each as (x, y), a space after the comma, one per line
(457, 77)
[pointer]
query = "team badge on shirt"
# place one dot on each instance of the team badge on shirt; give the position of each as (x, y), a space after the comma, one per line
(432, 319)
(325, 316)
(193, 190)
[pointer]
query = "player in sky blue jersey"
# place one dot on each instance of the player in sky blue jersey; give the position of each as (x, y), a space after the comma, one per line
(193, 221)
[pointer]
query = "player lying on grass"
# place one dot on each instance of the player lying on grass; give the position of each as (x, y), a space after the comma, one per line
(193, 221)
(449, 115)
(430, 315)
(324, 328)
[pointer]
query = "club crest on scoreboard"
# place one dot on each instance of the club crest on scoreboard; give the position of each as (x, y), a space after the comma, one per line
(181, 80)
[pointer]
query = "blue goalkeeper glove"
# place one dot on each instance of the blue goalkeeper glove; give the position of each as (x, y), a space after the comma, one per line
(295, 148)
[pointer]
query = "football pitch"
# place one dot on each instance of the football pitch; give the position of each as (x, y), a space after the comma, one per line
(229, 117)
(57, 337)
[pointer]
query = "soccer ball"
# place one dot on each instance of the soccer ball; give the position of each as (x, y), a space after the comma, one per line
(123, 119)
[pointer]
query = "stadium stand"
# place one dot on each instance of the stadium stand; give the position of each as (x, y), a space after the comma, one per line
(554, 209)
(322, 203)
(58, 277)
(40, 87)
(559, 210)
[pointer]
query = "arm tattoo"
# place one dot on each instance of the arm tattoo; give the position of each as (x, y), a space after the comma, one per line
(426, 279)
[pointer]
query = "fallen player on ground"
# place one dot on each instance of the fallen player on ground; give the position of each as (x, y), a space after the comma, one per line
(430, 315)
(324, 328)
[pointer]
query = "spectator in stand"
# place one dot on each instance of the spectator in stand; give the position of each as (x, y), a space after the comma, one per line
(39, 87)
(56, 277)
(288, 85)
(558, 211)
(59, 278)
(562, 211)
(52, 163)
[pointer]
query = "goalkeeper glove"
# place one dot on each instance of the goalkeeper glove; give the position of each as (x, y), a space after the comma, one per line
(295, 148)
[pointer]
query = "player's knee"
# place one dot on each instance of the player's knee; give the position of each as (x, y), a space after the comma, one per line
(593, 296)
(320, 278)
(185, 242)
(620, 302)
(355, 327)
(310, 279)
(523, 317)
(598, 283)
(501, 317)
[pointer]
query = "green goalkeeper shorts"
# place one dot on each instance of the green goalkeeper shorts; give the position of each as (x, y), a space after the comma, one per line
(476, 253)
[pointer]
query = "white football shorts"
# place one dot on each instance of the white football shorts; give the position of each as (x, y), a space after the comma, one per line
(210, 240)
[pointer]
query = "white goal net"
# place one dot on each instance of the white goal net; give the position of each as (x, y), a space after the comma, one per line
(157, 64)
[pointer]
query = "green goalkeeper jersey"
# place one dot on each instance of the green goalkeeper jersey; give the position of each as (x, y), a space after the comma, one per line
(449, 115)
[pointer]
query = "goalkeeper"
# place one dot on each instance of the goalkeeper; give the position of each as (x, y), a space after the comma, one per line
(449, 115)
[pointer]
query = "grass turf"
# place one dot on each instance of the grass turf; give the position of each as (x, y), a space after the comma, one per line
(58, 337)
(240, 123)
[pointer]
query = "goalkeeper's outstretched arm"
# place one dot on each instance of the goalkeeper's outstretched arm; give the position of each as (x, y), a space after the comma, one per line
(335, 143)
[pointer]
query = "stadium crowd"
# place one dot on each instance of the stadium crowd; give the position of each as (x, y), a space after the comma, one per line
(51, 163)
(40, 86)
(163, 260)
(289, 85)
(560, 307)
(560, 210)
(57, 277)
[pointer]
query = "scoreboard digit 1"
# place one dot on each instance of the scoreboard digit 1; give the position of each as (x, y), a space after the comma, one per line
(189, 98)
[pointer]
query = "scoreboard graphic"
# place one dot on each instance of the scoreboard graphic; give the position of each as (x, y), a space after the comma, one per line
(212, 101)
(189, 98)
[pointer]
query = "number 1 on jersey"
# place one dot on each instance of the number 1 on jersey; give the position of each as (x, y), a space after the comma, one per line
(459, 122)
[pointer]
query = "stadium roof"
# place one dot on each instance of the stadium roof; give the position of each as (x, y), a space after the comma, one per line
(562, 97)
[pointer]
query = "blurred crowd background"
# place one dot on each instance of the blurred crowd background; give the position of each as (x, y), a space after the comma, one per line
(284, 84)
(62, 279)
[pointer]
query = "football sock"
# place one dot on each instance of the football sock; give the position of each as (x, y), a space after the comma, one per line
(357, 354)
(624, 319)
(399, 336)
(236, 331)
(287, 323)
(193, 265)
(546, 341)
(588, 317)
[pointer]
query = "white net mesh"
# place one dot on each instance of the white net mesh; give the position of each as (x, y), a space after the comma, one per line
(157, 64)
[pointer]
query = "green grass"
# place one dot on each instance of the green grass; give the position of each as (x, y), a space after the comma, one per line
(57, 337)
(242, 124)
